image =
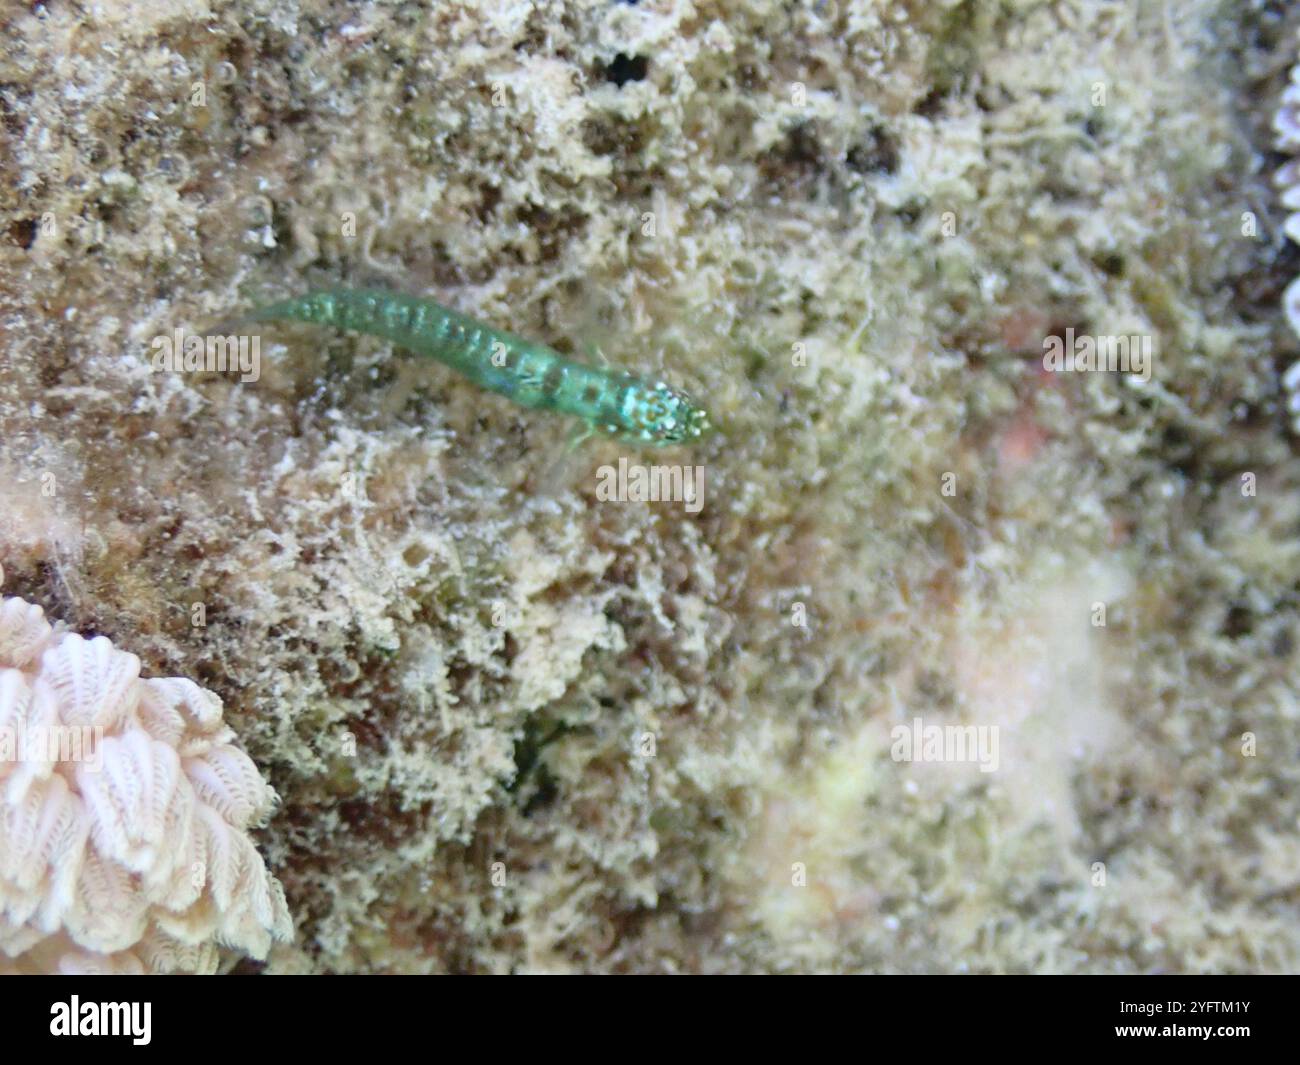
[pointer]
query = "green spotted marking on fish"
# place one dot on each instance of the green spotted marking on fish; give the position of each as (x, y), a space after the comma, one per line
(609, 401)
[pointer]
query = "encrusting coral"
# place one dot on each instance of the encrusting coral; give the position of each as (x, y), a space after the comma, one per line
(124, 807)
(1286, 125)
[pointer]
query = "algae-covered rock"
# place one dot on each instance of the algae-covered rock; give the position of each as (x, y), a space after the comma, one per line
(517, 725)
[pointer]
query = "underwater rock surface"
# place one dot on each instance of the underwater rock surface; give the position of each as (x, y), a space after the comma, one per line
(518, 725)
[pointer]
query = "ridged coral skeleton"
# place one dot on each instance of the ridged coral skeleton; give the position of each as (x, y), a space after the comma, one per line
(124, 807)
(1286, 124)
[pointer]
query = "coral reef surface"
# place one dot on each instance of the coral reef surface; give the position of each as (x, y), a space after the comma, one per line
(518, 726)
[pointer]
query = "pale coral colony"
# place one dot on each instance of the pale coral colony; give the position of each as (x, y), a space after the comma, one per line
(124, 815)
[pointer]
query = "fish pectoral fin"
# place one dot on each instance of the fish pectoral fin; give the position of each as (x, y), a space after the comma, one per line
(580, 432)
